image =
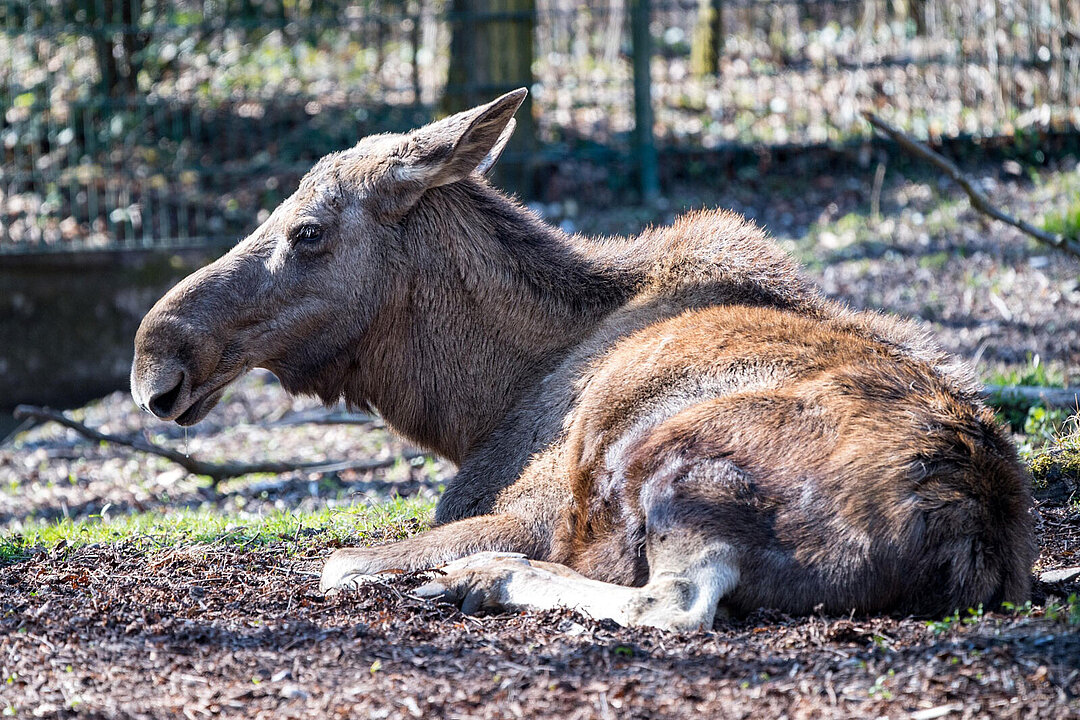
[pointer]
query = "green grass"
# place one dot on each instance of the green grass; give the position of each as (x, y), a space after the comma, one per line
(1048, 425)
(1066, 222)
(951, 622)
(1034, 372)
(156, 530)
(1058, 458)
(1065, 611)
(1039, 424)
(1045, 429)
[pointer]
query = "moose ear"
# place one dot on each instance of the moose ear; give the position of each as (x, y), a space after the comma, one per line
(496, 152)
(450, 149)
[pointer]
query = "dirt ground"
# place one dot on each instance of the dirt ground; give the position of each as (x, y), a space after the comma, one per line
(113, 631)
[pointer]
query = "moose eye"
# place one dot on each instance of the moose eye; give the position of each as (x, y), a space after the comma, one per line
(307, 234)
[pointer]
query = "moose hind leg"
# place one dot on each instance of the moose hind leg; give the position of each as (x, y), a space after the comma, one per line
(688, 577)
(690, 571)
(691, 567)
(682, 596)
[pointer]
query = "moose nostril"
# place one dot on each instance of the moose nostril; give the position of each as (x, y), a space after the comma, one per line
(163, 404)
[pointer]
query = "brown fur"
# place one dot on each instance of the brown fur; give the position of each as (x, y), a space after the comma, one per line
(602, 394)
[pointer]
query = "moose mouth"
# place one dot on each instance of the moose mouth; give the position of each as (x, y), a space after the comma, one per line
(199, 409)
(206, 400)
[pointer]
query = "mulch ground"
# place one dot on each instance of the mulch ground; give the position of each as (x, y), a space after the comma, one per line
(125, 631)
(197, 631)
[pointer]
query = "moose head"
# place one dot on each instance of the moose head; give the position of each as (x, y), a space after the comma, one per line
(322, 291)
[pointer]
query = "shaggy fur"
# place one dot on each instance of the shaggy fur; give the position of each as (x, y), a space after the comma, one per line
(615, 405)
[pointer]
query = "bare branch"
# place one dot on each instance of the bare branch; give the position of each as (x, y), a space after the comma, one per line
(979, 201)
(319, 416)
(1067, 398)
(215, 471)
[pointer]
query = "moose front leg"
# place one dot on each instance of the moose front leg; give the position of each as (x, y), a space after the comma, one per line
(349, 567)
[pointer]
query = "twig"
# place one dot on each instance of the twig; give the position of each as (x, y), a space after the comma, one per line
(979, 201)
(1068, 398)
(218, 472)
(321, 417)
(875, 193)
(215, 471)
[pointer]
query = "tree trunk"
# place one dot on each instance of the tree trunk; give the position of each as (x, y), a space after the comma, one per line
(414, 41)
(117, 43)
(918, 14)
(491, 53)
(708, 42)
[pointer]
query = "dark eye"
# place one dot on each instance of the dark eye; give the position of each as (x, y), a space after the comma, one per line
(307, 234)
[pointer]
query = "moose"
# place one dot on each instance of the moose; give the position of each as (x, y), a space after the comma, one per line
(649, 429)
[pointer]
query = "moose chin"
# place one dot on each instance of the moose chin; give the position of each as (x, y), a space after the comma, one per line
(647, 428)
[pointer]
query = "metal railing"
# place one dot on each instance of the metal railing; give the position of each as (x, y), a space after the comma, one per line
(147, 123)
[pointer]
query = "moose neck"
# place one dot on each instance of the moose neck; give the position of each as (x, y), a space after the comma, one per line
(496, 300)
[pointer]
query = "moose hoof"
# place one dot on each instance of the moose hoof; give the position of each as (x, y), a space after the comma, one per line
(347, 569)
(477, 582)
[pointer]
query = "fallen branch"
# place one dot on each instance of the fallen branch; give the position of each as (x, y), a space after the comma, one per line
(979, 201)
(1067, 398)
(322, 417)
(217, 472)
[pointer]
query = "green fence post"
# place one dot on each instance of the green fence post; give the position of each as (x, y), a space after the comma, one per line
(644, 147)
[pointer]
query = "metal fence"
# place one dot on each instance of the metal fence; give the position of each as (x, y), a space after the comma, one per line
(146, 123)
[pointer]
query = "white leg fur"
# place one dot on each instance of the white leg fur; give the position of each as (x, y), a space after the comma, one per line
(684, 590)
(672, 600)
(341, 572)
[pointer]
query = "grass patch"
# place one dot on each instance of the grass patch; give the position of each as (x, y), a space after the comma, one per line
(155, 530)
(1065, 611)
(973, 616)
(935, 261)
(1059, 459)
(1066, 222)
(1034, 372)
(1047, 426)
(1041, 425)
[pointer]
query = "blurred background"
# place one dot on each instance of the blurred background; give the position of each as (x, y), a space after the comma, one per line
(141, 137)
